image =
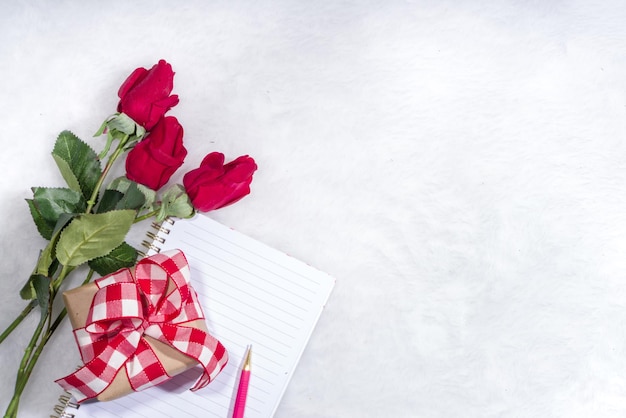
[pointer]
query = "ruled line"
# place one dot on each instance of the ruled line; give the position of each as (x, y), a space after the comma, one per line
(248, 250)
(250, 284)
(249, 272)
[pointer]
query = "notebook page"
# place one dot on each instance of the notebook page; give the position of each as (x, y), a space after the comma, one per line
(251, 294)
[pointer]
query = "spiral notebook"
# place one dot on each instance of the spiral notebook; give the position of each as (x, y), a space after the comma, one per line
(251, 294)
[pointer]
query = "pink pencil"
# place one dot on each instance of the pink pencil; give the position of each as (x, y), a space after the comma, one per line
(242, 390)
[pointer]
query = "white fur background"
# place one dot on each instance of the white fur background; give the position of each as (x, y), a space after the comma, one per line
(459, 167)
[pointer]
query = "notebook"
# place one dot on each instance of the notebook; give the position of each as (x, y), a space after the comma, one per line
(251, 294)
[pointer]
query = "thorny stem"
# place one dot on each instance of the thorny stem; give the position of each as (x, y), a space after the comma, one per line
(29, 360)
(18, 320)
(56, 283)
(62, 314)
(26, 367)
(28, 364)
(107, 167)
(146, 216)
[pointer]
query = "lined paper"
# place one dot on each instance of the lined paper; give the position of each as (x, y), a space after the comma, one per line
(250, 294)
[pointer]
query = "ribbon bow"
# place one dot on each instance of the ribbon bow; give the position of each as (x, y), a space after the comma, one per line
(124, 310)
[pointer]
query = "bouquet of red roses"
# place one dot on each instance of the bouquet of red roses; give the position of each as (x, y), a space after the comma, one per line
(87, 222)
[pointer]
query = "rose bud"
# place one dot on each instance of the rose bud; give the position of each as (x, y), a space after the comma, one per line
(214, 185)
(145, 95)
(153, 161)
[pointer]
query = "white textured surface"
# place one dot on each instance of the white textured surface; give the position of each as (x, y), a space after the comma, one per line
(460, 168)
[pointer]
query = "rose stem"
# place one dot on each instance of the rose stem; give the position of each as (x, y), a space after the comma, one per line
(18, 320)
(109, 164)
(25, 371)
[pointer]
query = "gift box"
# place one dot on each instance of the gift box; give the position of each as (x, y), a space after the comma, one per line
(150, 315)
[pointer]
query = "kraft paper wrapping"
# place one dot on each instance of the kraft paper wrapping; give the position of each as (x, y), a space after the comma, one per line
(78, 301)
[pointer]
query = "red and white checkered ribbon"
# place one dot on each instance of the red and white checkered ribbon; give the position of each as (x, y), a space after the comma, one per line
(127, 307)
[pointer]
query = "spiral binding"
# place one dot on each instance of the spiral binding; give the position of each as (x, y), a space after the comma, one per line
(155, 239)
(65, 402)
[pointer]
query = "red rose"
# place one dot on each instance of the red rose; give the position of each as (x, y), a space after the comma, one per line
(153, 161)
(214, 185)
(145, 95)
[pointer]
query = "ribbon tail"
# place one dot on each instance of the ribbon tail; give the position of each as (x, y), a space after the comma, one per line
(76, 385)
(144, 369)
(85, 383)
(197, 344)
(95, 376)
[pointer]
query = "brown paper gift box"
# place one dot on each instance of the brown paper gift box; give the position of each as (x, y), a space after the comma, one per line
(78, 301)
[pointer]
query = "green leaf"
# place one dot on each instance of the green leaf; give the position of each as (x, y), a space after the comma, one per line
(121, 184)
(107, 146)
(41, 284)
(121, 257)
(149, 195)
(47, 262)
(91, 236)
(124, 185)
(141, 131)
(122, 123)
(67, 173)
(52, 202)
(63, 220)
(109, 200)
(42, 225)
(28, 290)
(132, 141)
(48, 204)
(79, 164)
(133, 198)
(102, 128)
(176, 203)
(46, 258)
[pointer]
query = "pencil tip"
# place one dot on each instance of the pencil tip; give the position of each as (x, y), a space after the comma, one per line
(246, 364)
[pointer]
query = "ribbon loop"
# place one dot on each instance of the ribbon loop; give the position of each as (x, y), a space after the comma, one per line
(115, 307)
(155, 301)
